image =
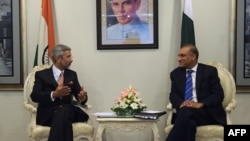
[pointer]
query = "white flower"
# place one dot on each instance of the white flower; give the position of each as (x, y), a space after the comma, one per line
(134, 106)
(123, 105)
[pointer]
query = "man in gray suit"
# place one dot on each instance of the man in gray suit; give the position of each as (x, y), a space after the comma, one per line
(205, 105)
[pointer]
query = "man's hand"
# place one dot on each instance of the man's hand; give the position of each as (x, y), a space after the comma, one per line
(192, 104)
(61, 91)
(82, 95)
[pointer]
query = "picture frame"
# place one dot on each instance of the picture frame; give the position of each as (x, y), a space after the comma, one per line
(242, 46)
(142, 34)
(11, 45)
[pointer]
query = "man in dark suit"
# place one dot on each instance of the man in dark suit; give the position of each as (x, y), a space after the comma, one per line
(205, 105)
(53, 90)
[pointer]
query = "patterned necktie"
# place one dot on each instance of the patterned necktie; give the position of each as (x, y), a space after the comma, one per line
(189, 86)
(60, 80)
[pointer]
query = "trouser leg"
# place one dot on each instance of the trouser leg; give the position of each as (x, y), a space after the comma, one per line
(186, 122)
(61, 127)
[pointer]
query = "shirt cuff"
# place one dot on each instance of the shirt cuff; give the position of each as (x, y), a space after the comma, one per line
(51, 96)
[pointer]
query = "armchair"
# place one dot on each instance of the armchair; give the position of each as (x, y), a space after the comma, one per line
(213, 132)
(40, 133)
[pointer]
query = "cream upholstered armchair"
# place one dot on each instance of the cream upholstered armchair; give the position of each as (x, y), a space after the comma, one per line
(40, 133)
(213, 132)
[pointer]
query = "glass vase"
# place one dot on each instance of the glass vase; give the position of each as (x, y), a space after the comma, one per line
(126, 113)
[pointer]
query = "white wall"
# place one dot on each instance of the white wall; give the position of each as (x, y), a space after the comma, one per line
(105, 73)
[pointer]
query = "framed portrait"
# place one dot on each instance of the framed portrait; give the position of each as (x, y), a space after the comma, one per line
(11, 60)
(127, 24)
(242, 48)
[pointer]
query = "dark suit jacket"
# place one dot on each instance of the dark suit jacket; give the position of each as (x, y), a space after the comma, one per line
(208, 89)
(44, 84)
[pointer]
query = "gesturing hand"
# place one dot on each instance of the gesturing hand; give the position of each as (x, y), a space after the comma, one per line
(82, 95)
(61, 91)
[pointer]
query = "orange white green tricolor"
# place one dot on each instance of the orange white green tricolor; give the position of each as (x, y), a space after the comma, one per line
(46, 38)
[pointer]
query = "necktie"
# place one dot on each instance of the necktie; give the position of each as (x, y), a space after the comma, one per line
(189, 86)
(60, 80)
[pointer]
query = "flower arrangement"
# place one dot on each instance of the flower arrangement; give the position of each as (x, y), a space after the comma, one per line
(128, 103)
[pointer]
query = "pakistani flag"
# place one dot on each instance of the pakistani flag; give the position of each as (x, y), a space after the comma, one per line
(187, 29)
(46, 38)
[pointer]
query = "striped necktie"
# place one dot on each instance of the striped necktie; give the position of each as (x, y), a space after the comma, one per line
(189, 86)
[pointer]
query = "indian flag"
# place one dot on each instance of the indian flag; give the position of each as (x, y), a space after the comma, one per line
(46, 38)
(187, 29)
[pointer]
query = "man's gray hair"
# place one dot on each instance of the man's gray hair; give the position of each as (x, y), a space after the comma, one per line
(59, 50)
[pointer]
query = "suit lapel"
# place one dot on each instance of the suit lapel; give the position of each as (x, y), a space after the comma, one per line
(66, 77)
(198, 77)
(51, 77)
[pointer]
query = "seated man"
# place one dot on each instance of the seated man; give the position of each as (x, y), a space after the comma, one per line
(196, 96)
(53, 90)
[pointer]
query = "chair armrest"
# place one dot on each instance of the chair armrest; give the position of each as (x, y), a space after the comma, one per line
(169, 113)
(87, 106)
(169, 107)
(231, 106)
(30, 108)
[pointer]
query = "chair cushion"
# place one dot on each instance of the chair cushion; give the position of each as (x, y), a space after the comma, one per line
(42, 132)
(206, 131)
